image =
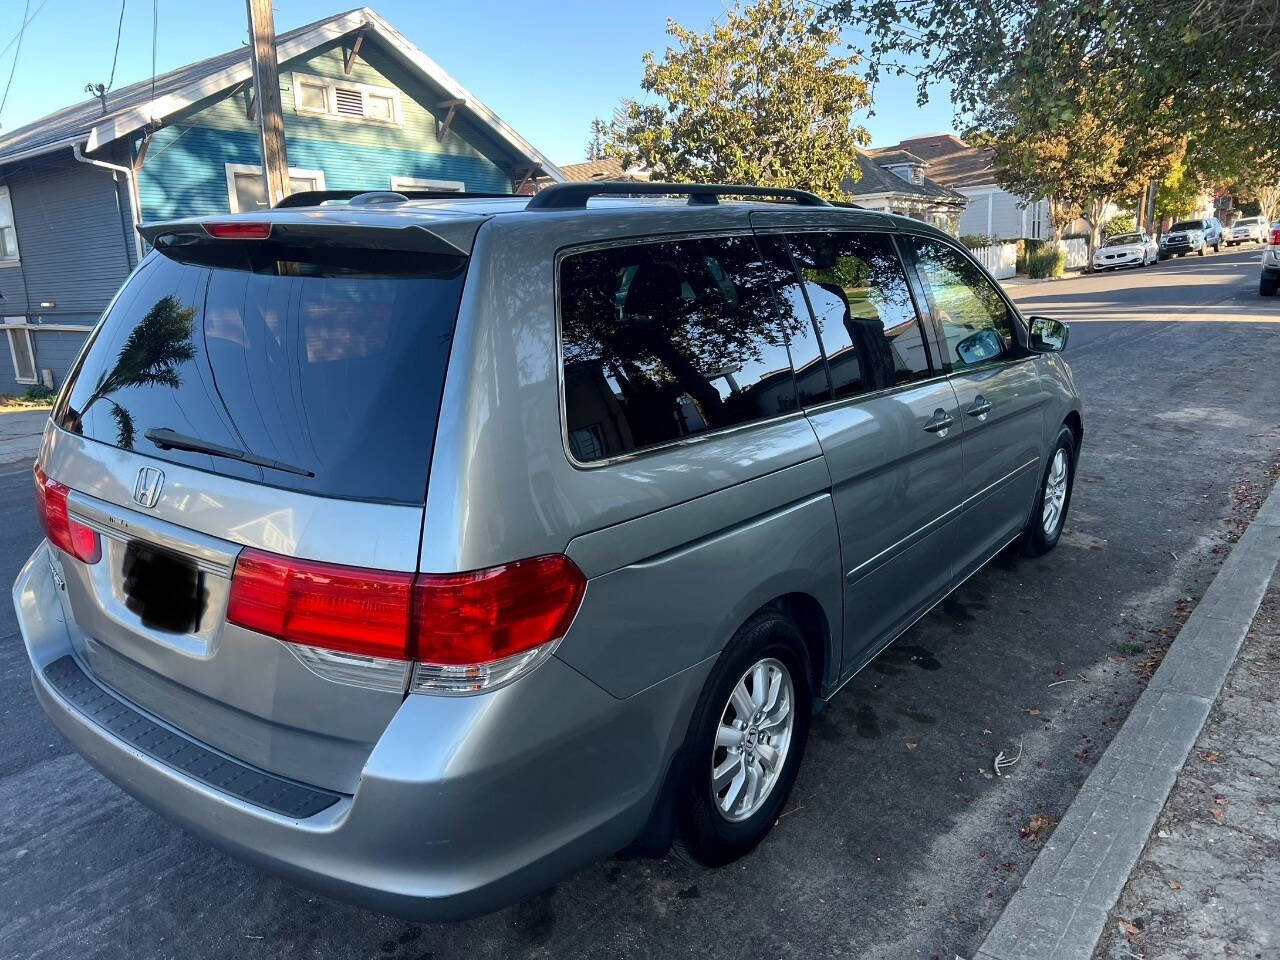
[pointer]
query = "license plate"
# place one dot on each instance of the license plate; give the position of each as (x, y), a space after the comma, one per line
(164, 589)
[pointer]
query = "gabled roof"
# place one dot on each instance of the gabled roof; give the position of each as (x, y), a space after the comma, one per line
(951, 161)
(133, 107)
(892, 156)
(877, 181)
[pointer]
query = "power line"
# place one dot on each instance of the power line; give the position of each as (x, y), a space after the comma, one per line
(115, 57)
(14, 66)
(25, 20)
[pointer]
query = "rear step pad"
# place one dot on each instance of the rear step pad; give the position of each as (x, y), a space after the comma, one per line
(126, 722)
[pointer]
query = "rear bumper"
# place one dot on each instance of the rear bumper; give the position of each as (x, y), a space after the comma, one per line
(465, 805)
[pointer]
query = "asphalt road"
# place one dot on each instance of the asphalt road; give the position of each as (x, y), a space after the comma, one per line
(898, 841)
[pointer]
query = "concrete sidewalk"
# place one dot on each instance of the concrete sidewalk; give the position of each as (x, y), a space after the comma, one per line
(20, 432)
(1066, 899)
(1208, 883)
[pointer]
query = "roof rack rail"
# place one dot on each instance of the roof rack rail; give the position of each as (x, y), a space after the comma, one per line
(574, 196)
(313, 198)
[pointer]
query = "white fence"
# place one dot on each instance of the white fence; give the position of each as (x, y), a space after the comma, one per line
(1001, 259)
(1077, 252)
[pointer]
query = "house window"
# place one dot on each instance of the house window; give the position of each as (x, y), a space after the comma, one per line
(1035, 222)
(8, 233)
(421, 183)
(246, 191)
(22, 353)
(320, 96)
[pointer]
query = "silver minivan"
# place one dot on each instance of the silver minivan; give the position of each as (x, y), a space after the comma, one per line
(426, 550)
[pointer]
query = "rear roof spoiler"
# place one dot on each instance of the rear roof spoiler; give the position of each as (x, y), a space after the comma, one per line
(444, 237)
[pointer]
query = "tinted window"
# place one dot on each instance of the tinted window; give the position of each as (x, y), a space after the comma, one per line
(667, 340)
(1188, 225)
(864, 311)
(975, 318)
(320, 364)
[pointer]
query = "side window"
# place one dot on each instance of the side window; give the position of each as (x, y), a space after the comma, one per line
(974, 316)
(870, 331)
(668, 340)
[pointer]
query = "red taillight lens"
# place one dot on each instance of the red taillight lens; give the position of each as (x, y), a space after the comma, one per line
(238, 231)
(349, 609)
(64, 533)
(1275, 238)
(470, 618)
(455, 619)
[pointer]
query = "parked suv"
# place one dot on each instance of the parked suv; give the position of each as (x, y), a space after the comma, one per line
(427, 551)
(1269, 282)
(1191, 236)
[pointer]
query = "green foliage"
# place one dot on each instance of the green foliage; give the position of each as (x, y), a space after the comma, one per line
(1179, 194)
(1046, 260)
(760, 99)
(1123, 223)
(596, 141)
(39, 393)
(976, 241)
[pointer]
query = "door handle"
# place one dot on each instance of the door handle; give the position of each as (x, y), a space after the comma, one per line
(939, 423)
(980, 407)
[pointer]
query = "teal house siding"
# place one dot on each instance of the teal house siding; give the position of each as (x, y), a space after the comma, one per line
(183, 171)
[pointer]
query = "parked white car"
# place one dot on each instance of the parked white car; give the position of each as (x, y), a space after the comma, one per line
(1245, 230)
(1126, 250)
(1269, 282)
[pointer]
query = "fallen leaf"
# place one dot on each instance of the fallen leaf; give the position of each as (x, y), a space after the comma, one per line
(1131, 932)
(986, 732)
(1034, 712)
(1174, 885)
(911, 744)
(1211, 756)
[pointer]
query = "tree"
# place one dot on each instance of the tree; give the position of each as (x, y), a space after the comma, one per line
(760, 99)
(596, 143)
(1179, 194)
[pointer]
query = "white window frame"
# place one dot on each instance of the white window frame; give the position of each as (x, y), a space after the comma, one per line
(16, 259)
(423, 183)
(17, 325)
(331, 104)
(255, 169)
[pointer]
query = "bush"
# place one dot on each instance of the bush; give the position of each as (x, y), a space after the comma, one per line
(1046, 261)
(976, 241)
(39, 394)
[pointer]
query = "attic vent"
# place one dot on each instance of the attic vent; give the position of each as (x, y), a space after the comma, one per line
(917, 175)
(349, 102)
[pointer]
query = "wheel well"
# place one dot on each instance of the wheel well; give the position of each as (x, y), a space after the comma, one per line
(808, 615)
(1076, 426)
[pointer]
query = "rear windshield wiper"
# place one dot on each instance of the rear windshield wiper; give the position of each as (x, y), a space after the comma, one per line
(167, 439)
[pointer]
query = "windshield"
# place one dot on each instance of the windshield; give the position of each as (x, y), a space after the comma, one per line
(1247, 222)
(324, 371)
(1124, 238)
(1188, 225)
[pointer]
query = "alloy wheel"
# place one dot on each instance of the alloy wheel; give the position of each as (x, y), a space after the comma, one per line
(1055, 493)
(752, 739)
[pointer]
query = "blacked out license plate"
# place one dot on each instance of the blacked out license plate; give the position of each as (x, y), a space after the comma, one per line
(164, 589)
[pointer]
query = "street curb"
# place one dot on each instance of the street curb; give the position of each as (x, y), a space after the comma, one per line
(1060, 910)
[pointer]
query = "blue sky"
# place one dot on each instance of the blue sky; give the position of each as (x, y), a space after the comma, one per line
(546, 71)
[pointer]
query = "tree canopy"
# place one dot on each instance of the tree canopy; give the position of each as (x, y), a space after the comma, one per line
(760, 99)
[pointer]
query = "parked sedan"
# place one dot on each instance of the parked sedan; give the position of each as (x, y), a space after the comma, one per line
(1126, 250)
(1245, 230)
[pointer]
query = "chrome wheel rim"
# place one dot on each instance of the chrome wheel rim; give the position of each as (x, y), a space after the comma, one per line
(752, 739)
(1055, 493)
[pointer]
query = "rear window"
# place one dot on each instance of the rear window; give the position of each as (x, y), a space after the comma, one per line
(327, 364)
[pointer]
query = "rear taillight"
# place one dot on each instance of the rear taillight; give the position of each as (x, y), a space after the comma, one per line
(63, 532)
(463, 632)
(1275, 237)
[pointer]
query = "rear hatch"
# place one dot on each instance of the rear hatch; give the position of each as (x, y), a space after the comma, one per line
(276, 391)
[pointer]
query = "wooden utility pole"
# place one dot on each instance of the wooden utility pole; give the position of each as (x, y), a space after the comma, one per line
(266, 85)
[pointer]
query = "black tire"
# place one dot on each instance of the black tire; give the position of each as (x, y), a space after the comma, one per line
(1217, 247)
(1035, 539)
(1202, 250)
(1267, 286)
(707, 835)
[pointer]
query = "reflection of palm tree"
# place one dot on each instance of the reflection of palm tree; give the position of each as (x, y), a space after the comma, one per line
(157, 347)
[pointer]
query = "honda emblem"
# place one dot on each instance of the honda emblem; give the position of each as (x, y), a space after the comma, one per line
(147, 490)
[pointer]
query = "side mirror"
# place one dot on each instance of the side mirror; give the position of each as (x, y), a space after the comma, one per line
(979, 347)
(1048, 335)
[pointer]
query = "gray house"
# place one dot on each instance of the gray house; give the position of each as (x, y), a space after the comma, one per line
(364, 109)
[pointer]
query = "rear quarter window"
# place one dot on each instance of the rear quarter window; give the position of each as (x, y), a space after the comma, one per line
(666, 340)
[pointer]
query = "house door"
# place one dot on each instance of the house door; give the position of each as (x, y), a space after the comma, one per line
(246, 191)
